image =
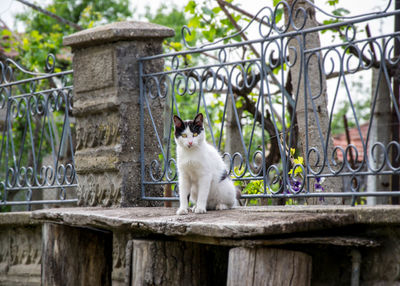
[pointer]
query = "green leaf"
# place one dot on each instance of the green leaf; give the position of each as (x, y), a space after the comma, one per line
(275, 2)
(216, 10)
(6, 32)
(340, 12)
(190, 7)
(209, 34)
(278, 15)
(191, 37)
(194, 22)
(176, 46)
(332, 2)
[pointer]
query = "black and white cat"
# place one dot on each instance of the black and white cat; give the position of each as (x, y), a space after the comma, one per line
(202, 174)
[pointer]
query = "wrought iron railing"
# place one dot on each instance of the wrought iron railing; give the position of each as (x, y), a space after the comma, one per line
(281, 124)
(36, 153)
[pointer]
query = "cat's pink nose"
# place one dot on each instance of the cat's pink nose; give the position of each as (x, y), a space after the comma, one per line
(190, 143)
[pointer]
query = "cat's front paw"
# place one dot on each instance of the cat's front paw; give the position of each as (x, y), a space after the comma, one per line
(198, 210)
(182, 211)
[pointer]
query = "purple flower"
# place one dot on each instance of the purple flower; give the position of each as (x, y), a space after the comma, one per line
(296, 185)
(319, 187)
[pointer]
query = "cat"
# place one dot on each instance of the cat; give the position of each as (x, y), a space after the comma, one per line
(201, 170)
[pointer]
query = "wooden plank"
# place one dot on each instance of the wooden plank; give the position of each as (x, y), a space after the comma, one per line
(268, 266)
(76, 256)
(329, 241)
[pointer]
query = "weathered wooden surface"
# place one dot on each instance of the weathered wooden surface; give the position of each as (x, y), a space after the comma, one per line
(242, 222)
(268, 266)
(76, 256)
(174, 263)
(329, 240)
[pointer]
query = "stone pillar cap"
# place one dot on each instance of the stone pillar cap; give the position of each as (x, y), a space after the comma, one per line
(118, 31)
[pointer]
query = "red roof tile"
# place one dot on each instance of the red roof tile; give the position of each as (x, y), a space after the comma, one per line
(341, 140)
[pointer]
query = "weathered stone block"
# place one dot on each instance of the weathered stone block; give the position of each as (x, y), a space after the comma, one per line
(100, 189)
(99, 69)
(97, 130)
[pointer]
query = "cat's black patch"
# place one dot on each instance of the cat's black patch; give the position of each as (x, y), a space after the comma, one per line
(195, 126)
(180, 126)
(224, 176)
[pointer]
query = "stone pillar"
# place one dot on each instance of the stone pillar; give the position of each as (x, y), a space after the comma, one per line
(106, 108)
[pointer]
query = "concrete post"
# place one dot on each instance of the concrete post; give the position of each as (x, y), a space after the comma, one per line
(106, 108)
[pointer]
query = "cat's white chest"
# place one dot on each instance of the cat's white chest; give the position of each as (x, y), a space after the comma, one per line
(192, 164)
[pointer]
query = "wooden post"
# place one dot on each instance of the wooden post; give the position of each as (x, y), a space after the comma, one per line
(175, 263)
(168, 194)
(76, 256)
(268, 266)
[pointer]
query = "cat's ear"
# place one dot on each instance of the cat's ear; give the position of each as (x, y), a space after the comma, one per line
(178, 122)
(198, 120)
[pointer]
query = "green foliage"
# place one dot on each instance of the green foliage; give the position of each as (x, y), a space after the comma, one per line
(172, 18)
(338, 12)
(44, 34)
(208, 19)
(255, 187)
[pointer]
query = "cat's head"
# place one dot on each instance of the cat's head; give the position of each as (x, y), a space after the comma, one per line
(190, 133)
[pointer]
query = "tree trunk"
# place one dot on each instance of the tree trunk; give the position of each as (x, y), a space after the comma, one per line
(315, 85)
(379, 133)
(233, 142)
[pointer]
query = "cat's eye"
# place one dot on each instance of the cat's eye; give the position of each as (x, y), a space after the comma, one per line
(184, 135)
(195, 134)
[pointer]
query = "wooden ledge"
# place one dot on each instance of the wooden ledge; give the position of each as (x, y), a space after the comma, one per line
(236, 223)
(242, 222)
